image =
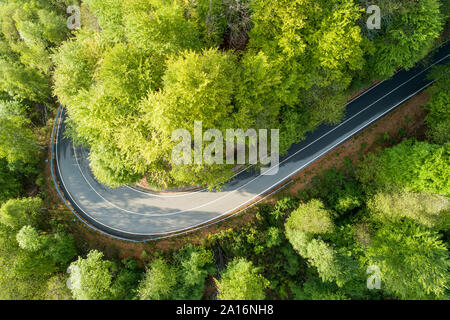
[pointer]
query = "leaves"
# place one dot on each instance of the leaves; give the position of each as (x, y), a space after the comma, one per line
(241, 281)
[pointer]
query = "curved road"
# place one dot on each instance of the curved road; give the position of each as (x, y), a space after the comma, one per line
(131, 214)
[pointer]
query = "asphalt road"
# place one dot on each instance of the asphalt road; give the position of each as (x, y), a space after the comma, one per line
(131, 214)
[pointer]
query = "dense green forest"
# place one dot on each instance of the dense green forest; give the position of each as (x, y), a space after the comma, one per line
(230, 64)
(286, 64)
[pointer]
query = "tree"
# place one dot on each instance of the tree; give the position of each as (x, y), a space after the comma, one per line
(57, 288)
(316, 47)
(23, 275)
(214, 78)
(29, 31)
(126, 281)
(159, 281)
(429, 210)
(183, 279)
(195, 263)
(241, 281)
(315, 289)
(10, 182)
(104, 110)
(17, 213)
(210, 18)
(413, 260)
(407, 34)
(310, 218)
(305, 228)
(17, 140)
(413, 166)
(438, 118)
(91, 277)
(29, 239)
(339, 190)
(166, 29)
(60, 247)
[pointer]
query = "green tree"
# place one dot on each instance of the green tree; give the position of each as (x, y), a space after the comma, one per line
(17, 213)
(59, 247)
(316, 47)
(339, 190)
(126, 281)
(159, 281)
(134, 39)
(182, 279)
(413, 260)
(91, 277)
(305, 228)
(429, 210)
(438, 118)
(23, 273)
(315, 289)
(409, 29)
(214, 78)
(241, 281)
(161, 25)
(29, 30)
(310, 218)
(17, 140)
(57, 288)
(195, 264)
(413, 166)
(10, 182)
(29, 239)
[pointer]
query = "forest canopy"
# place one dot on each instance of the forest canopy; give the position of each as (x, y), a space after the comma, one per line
(138, 69)
(285, 65)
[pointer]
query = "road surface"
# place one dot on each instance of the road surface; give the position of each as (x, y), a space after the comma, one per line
(135, 215)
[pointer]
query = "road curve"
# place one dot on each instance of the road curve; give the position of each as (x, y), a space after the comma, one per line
(130, 214)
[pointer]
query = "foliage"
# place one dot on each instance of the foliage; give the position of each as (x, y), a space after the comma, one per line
(432, 211)
(438, 118)
(29, 239)
(315, 46)
(17, 213)
(57, 288)
(414, 166)
(28, 32)
(241, 281)
(126, 281)
(310, 218)
(91, 277)
(195, 265)
(407, 34)
(339, 190)
(10, 182)
(315, 289)
(16, 280)
(293, 75)
(413, 261)
(184, 279)
(17, 140)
